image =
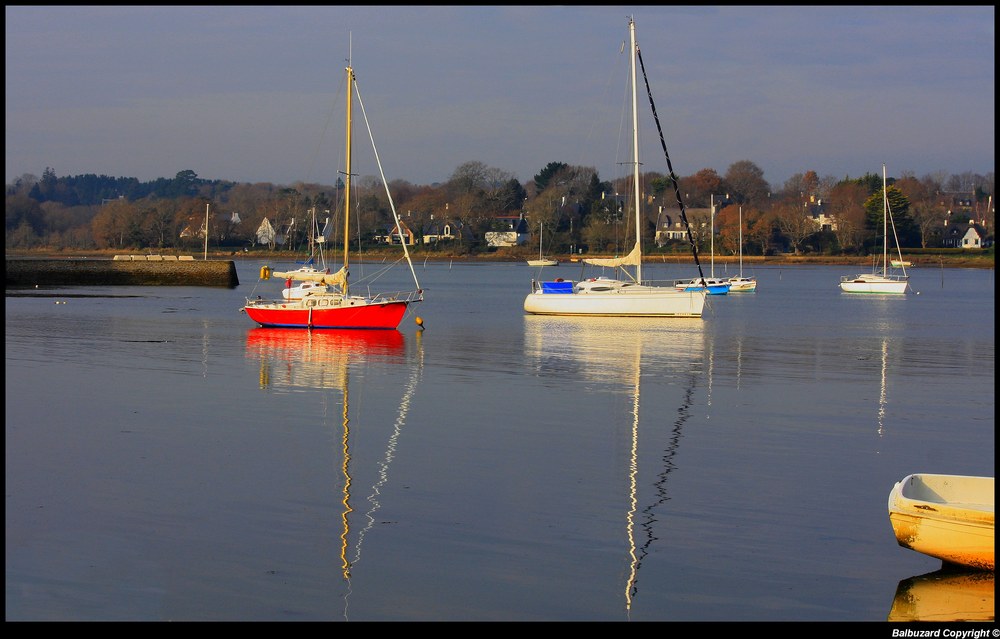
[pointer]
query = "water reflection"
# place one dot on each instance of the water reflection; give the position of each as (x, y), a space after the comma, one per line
(613, 352)
(301, 359)
(882, 388)
(383, 465)
(945, 595)
(325, 359)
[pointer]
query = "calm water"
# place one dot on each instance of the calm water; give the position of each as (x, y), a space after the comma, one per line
(166, 460)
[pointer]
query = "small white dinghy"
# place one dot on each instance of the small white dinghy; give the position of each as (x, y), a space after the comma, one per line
(949, 517)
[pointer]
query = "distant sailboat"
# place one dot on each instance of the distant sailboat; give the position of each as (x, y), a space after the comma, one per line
(542, 260)
(742, 284)
(712, 285)
(881, 279)
(314, 266)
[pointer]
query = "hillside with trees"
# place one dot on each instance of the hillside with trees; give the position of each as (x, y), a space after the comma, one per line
(580, 211)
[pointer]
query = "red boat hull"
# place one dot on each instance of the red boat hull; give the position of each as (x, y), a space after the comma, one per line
(378, 315)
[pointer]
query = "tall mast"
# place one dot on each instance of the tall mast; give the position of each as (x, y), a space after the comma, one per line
(741, 241)
(885, 225)
(347, 162)
(206, 231)
(635, 147)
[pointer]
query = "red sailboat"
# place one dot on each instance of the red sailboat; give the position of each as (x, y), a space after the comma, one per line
(331, 304)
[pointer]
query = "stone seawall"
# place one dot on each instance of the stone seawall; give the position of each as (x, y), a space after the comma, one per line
(27, 273)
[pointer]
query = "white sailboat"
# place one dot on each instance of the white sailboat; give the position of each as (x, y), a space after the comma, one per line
(881, 280)
(314, 267)
(607, 297)
(542, 260)
(742, 284)
(712, 284)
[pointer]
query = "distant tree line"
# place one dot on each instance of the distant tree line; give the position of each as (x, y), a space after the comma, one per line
(577, 209)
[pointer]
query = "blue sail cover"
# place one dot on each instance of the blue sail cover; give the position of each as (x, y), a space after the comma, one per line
(557, 287)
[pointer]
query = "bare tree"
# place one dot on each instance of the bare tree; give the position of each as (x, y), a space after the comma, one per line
(758, 228)
(794, 224)
(746, 182)
(847, 208)
(111, 224)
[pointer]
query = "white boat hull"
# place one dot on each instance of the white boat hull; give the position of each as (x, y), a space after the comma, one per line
(881, 281)
(742, 285)
(874, 284)
(603, 296)
(949, 517)
(543, 262)
(618, 301)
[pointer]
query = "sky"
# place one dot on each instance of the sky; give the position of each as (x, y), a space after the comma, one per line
(246, 93)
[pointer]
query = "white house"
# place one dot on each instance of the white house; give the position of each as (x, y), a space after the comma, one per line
(515, 234)
(972, 236)
(266, 233)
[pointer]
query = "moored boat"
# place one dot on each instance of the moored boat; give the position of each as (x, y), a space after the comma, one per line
(711, 285)
(543, 262)
(874, 283)
(325, 300)
(882, 280)
(742, 284)
(629, 295)
(542, 259)
(309, 276)
(949, 517)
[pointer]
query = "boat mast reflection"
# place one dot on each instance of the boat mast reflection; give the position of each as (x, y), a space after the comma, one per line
(298, 360)
(383, 466)
(660, 485)
(616, 349)
(882, 388)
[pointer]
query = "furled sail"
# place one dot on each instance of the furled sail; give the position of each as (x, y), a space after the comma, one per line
(338, 279)
(632, 259)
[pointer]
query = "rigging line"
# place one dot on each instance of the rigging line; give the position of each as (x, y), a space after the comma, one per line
(895, 237)
(385, 183)
(598, 119)
(673, 176)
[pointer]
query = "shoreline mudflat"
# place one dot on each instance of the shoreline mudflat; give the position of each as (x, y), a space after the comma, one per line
(963, 260)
